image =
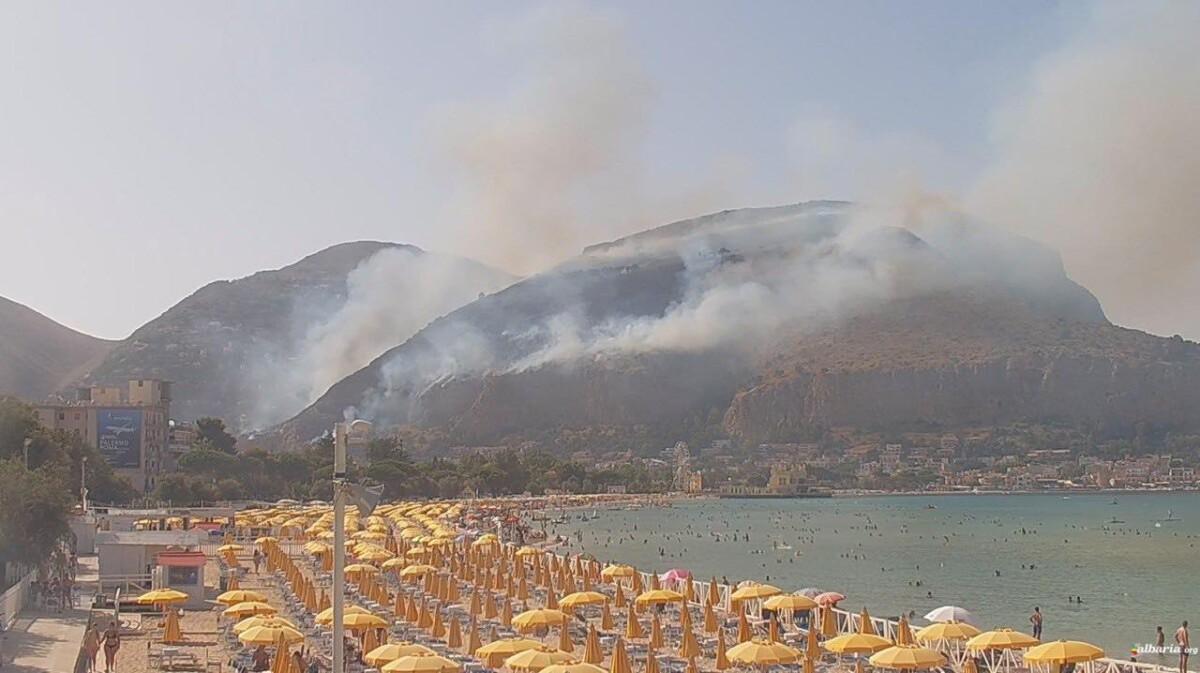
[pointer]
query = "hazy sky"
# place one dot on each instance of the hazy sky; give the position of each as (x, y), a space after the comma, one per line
(148, 148)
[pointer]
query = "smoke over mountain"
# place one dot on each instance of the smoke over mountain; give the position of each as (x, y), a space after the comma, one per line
(1099, 157)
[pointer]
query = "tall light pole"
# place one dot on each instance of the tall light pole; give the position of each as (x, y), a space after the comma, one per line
(25, 447)
(343, 434)
(83, 483)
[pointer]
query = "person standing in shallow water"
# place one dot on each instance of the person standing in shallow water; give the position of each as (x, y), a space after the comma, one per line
(1036, 620)
(1184, 641)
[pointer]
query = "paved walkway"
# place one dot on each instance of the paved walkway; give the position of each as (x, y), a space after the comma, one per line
(46, 640)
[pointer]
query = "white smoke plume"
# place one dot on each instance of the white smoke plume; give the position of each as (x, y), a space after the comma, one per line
(390, 296)
(1099, 159)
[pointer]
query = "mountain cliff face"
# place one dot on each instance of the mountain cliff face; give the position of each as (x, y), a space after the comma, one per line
(781, 319)
(254, 350)
(38, 355)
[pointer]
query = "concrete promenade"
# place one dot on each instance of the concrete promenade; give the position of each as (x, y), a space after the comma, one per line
(48, 640)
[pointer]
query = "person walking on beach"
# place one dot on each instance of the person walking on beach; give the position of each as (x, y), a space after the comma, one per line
(1036, 620)
(1184, 642)
(112, 643)
(91, 645)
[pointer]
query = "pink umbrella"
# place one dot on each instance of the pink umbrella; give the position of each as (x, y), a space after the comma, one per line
(829, 598)
(675, 575)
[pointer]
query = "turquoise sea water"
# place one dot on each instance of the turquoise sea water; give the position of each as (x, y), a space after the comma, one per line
(1131, 576)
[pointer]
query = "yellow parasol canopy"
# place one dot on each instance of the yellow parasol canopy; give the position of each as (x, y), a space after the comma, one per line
(356, 621)
(780, 602)
(1063, 652)
(536, 658)
(574, 667)
(907, 657)
(421, 663)
(240, 596)
(582, 598)
(387, 653)
(494, 653)
(166, 595)
(754, 592)
(269, 635)
(857, 643)
(613, 571)
(946, 631)
(248, 608)
(659, 596)
(417, 570)
(539, 617)
(171, 631)
(762, 653)
(1001, 639)
(326, 616)
(260, 620)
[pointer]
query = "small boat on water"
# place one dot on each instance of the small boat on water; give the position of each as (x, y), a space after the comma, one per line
(1114, 520)
(1170, 518)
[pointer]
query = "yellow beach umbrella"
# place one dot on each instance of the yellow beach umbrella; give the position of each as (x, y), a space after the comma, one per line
(270, 635)
(864, 623)
(946, 631)
(421, 663)
(419, 570)
(710, 619)
(473, 641)
(454, 634)
(282, 661)
(230, 548)
(539, 617)
(633, 628)
(606, 620)
(829, 622)
(171, 631)
(494, 653)
(1063, 652)
(162, 596)
(564, 638)
(689, 646)
(326, 616)
(754, 592)
(613, 572)
(903, 632)
(762, 653)
(857, 643)
(574, 667)
(582, 598)
(261, 620)
(722, 656)
(360, 569)
(659, 597)
(620, 659)
(651, 659)
(248, 609)
(907, 657)
(357, 622)
(387, 653)
(743, 628)
(656, 633)
(240, 596)
(535, 659)
(1001, 639)
(437, 629)
(781, 602)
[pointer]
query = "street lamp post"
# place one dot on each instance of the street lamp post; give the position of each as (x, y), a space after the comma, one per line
(83, 483)
(25, 446)
(339, 544)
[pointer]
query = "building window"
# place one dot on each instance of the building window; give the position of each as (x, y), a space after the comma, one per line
(183, 576)
(141, 383)
(61, 416)
(76, 415)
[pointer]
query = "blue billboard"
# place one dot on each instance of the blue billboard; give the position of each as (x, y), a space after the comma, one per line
(119, 436)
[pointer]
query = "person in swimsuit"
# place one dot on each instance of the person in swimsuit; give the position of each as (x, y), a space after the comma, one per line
(1036, 620)
(1184, 641)
(91, 645)
(112, 643)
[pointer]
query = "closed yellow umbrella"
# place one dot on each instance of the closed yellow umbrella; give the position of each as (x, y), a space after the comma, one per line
(689, 646)
(494, 653)
(592, 653)
(651, 659)
(812, 648)
(564, 638)
(907, 657)
(946, 631)
(606, 620)
(248, 609)
(857, 643)
(437, 629)
(489, 606)
(743, 629)
(240, 596)
(762, 653)
(865, 626)
(619, 598)
(424, 619)
(829, 621)
(1001, 639)
(535, 659)
(369, 640)
(473, 641)
(714, 595)
(633, 628)
(269, 635)
(1063, 652)
(710, 619)
(282, 662)
(389, 652)
(454, 634)
(754, 592)
(421, 663)
(538, 617)
(656, 634)
(722, 656)
(782, 602)
(171, 631)
(620, 658)
(903, 632)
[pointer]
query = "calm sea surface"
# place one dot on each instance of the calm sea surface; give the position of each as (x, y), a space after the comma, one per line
(1131, 576)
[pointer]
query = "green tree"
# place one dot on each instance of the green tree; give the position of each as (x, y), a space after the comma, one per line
(211, 431)
(34, 512)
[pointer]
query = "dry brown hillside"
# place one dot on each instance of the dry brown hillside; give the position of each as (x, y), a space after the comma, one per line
(38, 355)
